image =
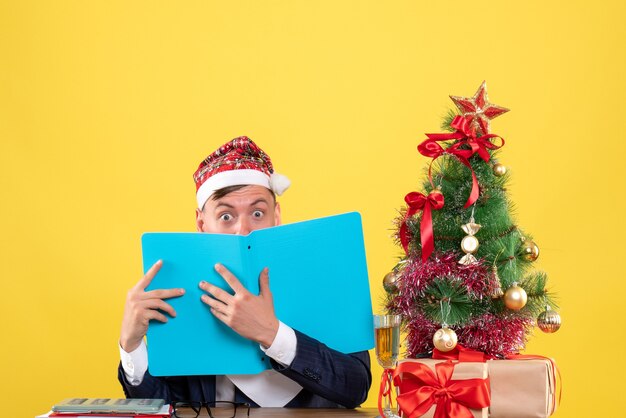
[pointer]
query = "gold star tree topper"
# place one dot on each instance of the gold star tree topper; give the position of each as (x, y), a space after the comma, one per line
(479, 109)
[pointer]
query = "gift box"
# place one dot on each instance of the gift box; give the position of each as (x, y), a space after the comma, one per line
(522, 388)
(423, 385)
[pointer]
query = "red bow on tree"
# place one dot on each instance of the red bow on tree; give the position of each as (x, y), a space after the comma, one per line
(418, 201)
(421, 389)
(465, 135)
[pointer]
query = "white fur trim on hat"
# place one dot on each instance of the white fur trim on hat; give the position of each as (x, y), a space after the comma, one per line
(277, 183)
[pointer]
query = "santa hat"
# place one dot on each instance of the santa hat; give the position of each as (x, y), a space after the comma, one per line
(238, 162)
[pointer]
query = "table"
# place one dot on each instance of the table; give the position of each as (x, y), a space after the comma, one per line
(310, 413)
(302, 413)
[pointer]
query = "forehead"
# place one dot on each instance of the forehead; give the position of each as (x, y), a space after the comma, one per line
(244, 196)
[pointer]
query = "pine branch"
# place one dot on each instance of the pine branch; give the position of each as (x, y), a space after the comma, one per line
(538, 296)
(447, 120)
(447, 301)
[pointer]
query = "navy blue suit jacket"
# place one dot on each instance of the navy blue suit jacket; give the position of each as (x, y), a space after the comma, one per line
(329, 379)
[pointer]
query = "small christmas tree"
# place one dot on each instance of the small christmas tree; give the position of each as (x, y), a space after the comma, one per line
(467, 275)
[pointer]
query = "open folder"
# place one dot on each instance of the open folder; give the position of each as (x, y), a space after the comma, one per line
(318, 278)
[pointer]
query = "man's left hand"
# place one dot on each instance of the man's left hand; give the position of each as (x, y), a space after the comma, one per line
(248, 315)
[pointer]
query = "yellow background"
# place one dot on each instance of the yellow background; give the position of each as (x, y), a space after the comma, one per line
(106, 108)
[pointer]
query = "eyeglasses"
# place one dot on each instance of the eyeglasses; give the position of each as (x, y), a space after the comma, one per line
(219, 409)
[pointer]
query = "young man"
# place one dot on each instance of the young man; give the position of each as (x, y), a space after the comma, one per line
(235, 189)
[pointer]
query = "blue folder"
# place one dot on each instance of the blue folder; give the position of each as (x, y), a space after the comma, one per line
(318, 277)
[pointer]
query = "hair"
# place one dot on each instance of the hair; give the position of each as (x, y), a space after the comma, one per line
(220, 193)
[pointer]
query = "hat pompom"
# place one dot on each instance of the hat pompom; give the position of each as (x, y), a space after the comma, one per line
(279, 183)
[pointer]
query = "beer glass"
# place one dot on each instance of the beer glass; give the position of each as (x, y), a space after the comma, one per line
(387, 329)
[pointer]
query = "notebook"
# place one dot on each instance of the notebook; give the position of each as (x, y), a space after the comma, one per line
(109, 405)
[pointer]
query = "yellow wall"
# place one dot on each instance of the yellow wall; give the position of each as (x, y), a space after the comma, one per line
(106, 108)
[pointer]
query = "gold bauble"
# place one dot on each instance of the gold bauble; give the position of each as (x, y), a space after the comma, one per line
(469, 244)
(499, 169)
(529, 250)
(445, 339)
(549, 321)
(515, 297)
(390, 281)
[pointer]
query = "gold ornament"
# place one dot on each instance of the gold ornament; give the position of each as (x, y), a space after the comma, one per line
(549, 321)
(529, 250)
(499, 169)
(390, 281)
(497, 292)
(445, 339)
(515, 297)
(469, 244)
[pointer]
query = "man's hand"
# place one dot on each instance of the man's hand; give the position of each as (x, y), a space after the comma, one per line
(142, 306)
(248, 315)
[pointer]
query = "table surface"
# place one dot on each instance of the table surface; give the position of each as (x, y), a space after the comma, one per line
(310, 412)
(304, 412)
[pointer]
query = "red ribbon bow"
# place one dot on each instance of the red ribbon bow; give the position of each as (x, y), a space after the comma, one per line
(418, 201)
(453, 398)
(478, 145)
(465, 135)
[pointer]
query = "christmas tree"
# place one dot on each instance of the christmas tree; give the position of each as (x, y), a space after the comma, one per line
(468, 271)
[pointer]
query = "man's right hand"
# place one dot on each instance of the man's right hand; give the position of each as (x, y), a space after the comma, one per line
(142, 306)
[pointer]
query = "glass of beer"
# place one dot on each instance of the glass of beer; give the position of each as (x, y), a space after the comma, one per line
(387, 329)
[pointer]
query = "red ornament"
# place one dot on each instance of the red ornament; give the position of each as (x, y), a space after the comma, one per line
(479, 109)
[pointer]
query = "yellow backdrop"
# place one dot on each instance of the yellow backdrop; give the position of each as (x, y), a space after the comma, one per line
(106, 108)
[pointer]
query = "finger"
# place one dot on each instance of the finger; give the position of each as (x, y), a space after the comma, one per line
(160, 305)
(220, 315)
(151, 314)
(163, 293)
(214, 303)
(264, 282)
(230, 278)
(216, 292)
(147, 278)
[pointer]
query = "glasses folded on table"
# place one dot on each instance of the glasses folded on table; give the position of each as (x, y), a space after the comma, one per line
(219, 409)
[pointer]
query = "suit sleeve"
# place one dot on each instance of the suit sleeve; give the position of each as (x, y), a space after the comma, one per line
(168, 388)
(338, 377)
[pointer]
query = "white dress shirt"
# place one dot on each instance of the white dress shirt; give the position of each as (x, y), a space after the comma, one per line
(282, 350)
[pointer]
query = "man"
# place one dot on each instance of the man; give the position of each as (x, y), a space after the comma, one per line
(235, 189)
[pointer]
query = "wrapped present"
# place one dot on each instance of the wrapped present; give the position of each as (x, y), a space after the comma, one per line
(442, 388)
(521, 385)
(524, 386)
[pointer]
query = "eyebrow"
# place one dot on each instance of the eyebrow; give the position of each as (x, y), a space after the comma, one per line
(224, 204)
(260, 200)
(256, 202)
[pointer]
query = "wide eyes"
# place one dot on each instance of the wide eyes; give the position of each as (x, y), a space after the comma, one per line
(226, 217)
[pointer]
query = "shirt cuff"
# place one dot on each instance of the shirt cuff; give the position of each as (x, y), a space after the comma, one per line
(283, 349)
(135, 363)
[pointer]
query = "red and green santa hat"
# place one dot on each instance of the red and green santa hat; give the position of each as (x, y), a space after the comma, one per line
(238, 162)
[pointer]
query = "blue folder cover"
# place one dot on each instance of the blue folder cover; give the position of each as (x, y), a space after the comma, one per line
(318, 277)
